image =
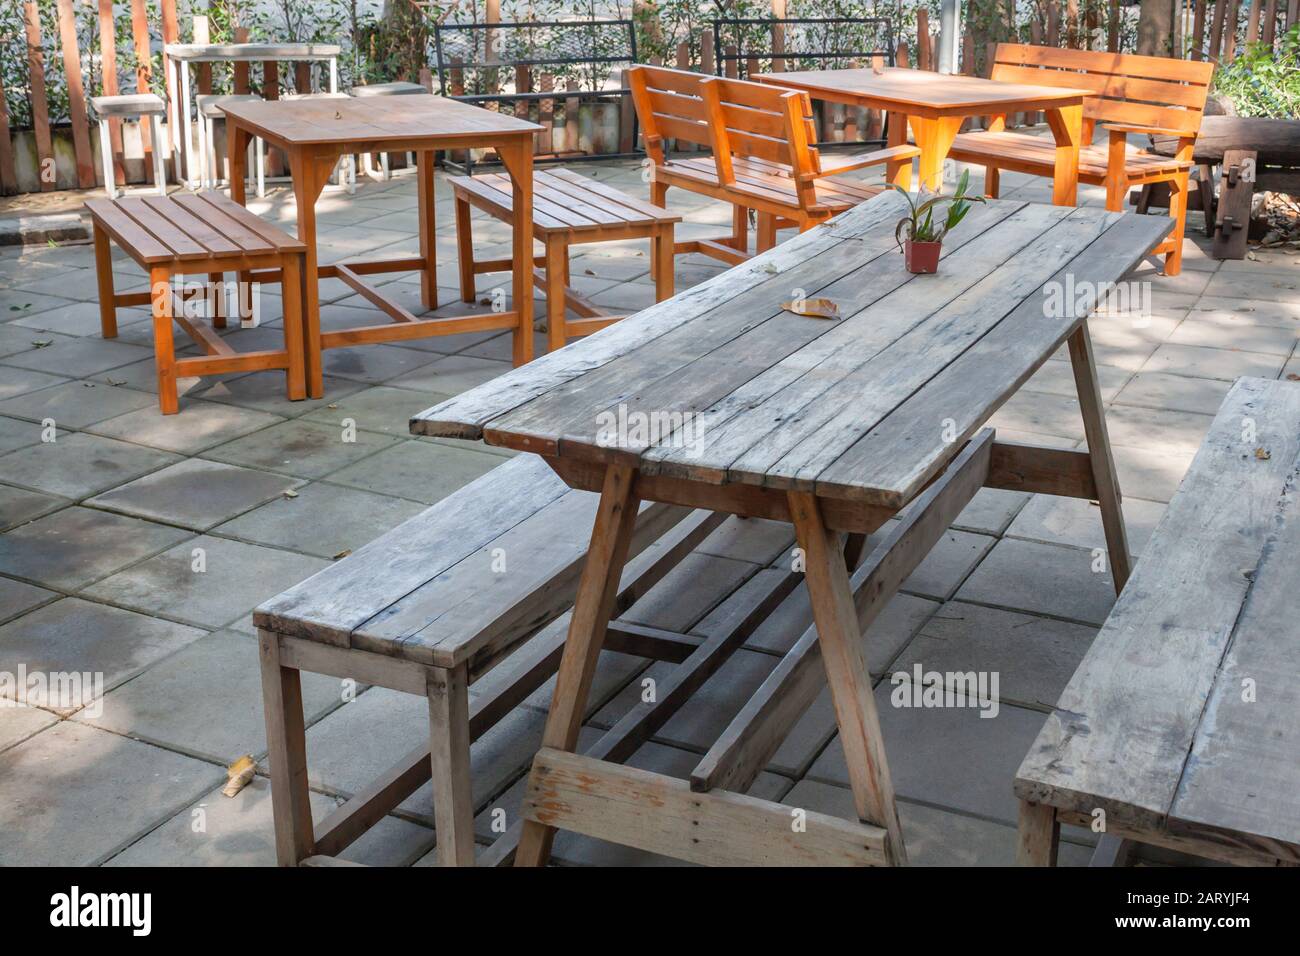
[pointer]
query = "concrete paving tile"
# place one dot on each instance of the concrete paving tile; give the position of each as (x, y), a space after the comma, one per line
(1041, 413)
(323, 519)
(1034, 657)
(1268, 286)
(379, 409)
(80, 358)
(77, 404)
(947, 564)
(1057, 378)
(1076, 523)
(1234, 310)
(68, 284)
(1188, 282)
(300, 448)
(15, 339)
(990, 511)
(1042, 578)
(76, 318)
(1177, 392)
(417, 470)
(236, 578)
(18, 506)
(16, 303)
(1153, 474)
(18, 381)
(203, 425)
(1212, 363)
(1156, 428)
(374, 363)
(82, 637)
(947, 756)
(79, 465)
(143, 377)
(70, 548)
(689, 591)
(240, 831)
(1247, 338)
(18, 722)
(18, 597)
(935, 837)
(74, 796)
(613, 672)
(755, 540)
(195, 494)
(206, 700)
(265, 392)
(500, 348)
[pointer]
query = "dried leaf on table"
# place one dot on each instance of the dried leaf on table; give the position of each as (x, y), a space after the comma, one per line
(813, 308)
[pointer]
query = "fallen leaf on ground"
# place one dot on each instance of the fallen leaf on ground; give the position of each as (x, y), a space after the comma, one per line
(1263, 454)
(238, 775)
(813, 308)
(343, 554)
(290, 493)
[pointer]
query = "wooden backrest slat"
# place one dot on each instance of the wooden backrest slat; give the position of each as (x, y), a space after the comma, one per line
(1131, 89)
(668, 103)
(181, 245)
(684, 131)
(136, 241)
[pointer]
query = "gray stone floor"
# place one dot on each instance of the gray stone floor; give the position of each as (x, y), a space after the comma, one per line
(135, 546)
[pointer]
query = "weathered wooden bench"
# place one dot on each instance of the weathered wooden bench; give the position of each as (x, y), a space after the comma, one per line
(200, 235)
(763, 157)
(460, 590)
(568, 209)
(1182, 724)
(1134, 94)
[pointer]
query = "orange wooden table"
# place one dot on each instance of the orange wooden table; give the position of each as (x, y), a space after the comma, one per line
(314, 133)
(935, 105)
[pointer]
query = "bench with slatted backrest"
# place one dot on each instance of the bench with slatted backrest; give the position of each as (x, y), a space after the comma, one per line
(763, 157)
(1134, 94)
(464, 590)
(1181, 726)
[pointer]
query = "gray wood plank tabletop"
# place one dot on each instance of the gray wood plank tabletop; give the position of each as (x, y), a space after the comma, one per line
(867, 406)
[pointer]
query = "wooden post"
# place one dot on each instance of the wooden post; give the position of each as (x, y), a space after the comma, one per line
(546, 115)
(76, 94)
(1112, 27)
(778, 36)
(144, 73)
(8, 174)
(491, 14)
(241, 84)
(1230, 33)
(732, 66)
(1252, 27)
(108, 61)
(706, 52)
(1216, 29)
(1053, 24)
(923, 40)
(302, 78)
(1270, 22)
(1198, 31)
(523, 84)
(46, 173)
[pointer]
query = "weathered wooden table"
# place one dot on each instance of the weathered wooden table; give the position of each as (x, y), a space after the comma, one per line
(935, 106)
(721, 399)
(315, 133)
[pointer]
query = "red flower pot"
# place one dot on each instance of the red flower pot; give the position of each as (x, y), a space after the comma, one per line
(921, 257)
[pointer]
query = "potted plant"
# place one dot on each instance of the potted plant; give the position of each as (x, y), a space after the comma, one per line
(920, 235)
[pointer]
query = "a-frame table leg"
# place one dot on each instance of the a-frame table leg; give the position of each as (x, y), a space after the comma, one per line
(1103, 464)
(838, 633)
(593, 604)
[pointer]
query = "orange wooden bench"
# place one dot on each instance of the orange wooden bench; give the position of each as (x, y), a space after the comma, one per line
(763, 157)
(209, 235)
(567, 209)
(1134, 94)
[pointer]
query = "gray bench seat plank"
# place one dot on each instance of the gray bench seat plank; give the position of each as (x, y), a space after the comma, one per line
(1120, 737)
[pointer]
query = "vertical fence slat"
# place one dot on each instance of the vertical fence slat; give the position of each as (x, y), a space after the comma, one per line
(1216, 28)
(171, 33)
(1112, 27)
(1292, 13)
(922, 39)
(241, 73)
(1198, 31)
(108, 65)
(8, 174)
(144, 71)
(546, 114)
(76, 94)
(1252, 25)
(778, 36)
(1053, 23)
(40, 106)
(706, 52)
(1230, 33)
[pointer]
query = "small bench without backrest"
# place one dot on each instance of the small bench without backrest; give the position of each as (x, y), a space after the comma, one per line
(1181, 726)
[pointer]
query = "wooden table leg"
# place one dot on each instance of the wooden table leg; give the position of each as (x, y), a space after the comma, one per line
(453, 803)
(557, 251)
(664, 267)
(1038, 835)
(934, 137)
(838, 634)
(1103, 465)
(593, 604)
(309, 176)
(1066, 123)
(518, 160)
(898, 171)
(428, 243)
(286, 740)
(238, 149)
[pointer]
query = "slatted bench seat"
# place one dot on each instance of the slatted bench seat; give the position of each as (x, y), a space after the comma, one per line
(1181, 726)
(199, 235)
(568, 209)
(430, 607)
(1134, 94)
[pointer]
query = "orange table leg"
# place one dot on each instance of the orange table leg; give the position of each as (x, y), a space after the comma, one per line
(428, 245)
(898, 171)
(1066, 123)
(518, 160)
(934, 137)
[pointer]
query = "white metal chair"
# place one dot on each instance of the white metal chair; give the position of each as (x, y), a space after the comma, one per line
(130, 106)
(400, 88)
(210, 110)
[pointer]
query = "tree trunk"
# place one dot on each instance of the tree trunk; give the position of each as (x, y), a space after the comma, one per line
(1156, 28)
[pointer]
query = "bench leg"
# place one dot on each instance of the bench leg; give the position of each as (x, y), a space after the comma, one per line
(104, 279)
(465, 250)
(992, 181)
(106, 156)
(1038, 835)
(286, 740)
(453, 804)
(663, 265)
(766, 232)
(1103, 464)
(291, 290)
(739, 238)
(164, 350)
(557, 253)
(216, 301)
(839, 635)
(597, 588)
